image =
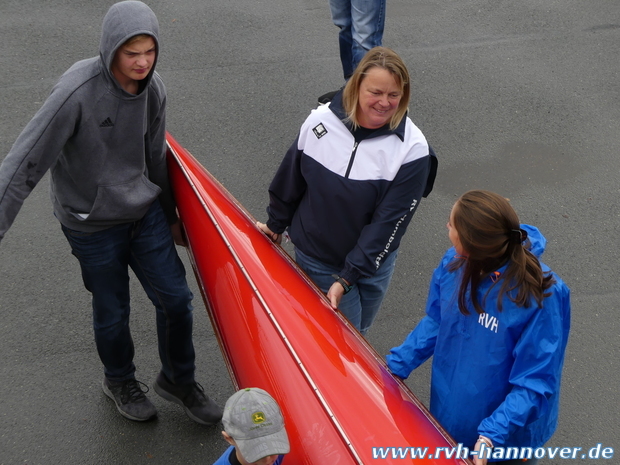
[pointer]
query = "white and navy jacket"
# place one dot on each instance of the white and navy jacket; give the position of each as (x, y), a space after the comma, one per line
(347, 196)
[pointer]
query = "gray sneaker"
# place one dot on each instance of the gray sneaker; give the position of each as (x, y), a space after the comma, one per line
(192, 398)
(130, 399)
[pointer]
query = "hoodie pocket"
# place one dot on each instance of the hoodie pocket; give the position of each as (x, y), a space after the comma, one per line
(123, 202)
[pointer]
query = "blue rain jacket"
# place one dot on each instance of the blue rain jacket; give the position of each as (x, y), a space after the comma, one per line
(496, 374)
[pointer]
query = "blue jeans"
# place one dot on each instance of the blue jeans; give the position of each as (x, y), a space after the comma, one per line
(148, 248)
(362, 303)
(361, 24)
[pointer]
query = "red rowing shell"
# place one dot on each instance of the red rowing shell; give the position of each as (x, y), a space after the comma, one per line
(278, 332)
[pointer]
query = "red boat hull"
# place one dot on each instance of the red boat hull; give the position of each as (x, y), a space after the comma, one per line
(278, 332)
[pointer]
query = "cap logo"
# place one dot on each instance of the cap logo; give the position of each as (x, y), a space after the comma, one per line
(258, 417)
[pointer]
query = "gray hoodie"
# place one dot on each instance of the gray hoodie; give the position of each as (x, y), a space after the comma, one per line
(104, 146)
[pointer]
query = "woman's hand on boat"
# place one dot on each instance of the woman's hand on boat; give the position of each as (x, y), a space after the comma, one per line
(335, 293)
(277, 238)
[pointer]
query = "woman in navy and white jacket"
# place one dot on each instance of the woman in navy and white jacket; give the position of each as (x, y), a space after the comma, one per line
(349, 185)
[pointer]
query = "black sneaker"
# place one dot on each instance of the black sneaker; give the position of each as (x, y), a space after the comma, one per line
(192, 398)
(130, 399)
(326, 98)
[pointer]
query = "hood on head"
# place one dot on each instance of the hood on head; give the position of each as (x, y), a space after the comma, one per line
(123, 21)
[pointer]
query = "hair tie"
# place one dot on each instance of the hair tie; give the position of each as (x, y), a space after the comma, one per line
(517, 236)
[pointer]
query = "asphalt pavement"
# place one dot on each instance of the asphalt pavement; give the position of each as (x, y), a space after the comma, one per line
(517, 97)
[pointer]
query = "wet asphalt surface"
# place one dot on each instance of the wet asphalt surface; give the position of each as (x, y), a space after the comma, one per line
(517, 97)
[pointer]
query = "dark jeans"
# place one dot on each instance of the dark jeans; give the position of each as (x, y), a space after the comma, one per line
(148, 248)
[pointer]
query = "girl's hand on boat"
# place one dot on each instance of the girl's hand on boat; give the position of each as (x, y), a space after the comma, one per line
(277, 238)
(480, 460)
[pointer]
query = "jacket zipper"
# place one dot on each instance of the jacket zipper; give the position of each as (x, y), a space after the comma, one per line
(346, 175)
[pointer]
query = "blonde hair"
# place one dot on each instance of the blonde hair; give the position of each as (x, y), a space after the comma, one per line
(379, 57)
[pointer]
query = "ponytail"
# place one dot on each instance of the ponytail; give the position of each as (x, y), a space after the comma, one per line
(524, 279)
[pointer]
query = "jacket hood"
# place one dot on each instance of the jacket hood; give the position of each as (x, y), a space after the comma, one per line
(123, 21)
(538, 242)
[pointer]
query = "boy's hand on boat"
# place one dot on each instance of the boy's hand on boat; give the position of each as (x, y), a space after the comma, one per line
(178, 234)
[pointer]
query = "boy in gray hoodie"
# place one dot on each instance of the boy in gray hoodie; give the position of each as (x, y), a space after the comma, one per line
(101, 133)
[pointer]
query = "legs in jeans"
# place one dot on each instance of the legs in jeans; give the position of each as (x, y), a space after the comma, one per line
(147, 247)
(361, 24)
(362, 303)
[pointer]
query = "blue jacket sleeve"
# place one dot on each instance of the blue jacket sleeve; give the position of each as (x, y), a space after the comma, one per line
(383, 234)
(537, 369)
(286, 190)
(419, 345)
(224, 458)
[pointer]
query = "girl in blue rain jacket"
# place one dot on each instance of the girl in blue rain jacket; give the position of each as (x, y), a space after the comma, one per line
(498, 356)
